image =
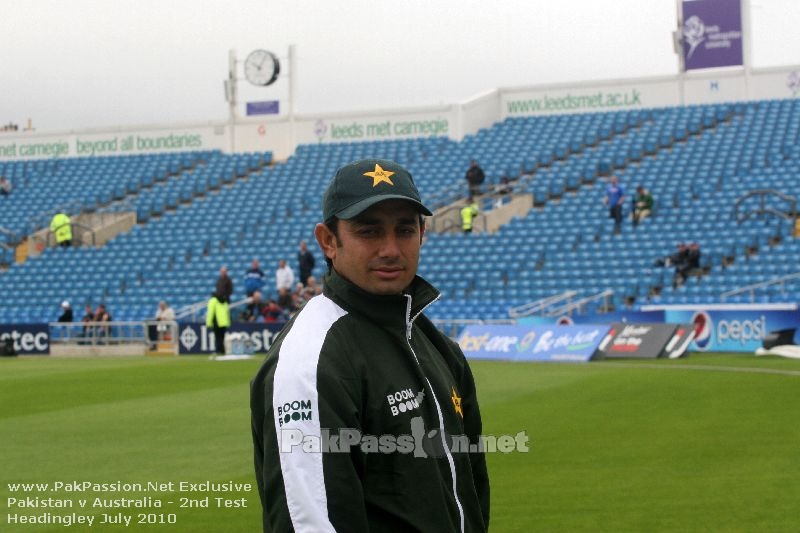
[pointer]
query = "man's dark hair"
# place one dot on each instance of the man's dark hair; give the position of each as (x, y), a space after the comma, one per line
(333, 226)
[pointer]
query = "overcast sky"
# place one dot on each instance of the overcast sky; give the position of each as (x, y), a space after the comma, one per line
(77, 64)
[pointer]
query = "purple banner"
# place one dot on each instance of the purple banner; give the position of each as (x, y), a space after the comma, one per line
(269, 107)
(712, 33)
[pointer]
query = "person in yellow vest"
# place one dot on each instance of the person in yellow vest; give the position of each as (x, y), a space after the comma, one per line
(468, 213)
(218, 317)
(62, 228)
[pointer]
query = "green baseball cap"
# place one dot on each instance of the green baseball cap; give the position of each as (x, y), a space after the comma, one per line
(361, 184)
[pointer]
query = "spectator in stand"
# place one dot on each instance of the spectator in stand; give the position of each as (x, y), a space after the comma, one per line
(305, 262)
(61, 226)
(5, 186)
(253, 311)
(284, 277)
(66, 312)
(285, 300)
(103, 316)
(224, 287)
(680, 261)
(253, 278)
(642, 205)
(164, 314)
(273, 313)
(614, 198)
(298, 295)
(475, 178)
(312, 286)
(468, 213)
(502, 190)
(692, 263)
(88, 316)
(87, 320)
(676, 258)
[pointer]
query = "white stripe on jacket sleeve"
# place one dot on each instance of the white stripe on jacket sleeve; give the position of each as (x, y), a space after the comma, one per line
(295, 380)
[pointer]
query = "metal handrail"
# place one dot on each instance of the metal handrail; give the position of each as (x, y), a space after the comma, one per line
(763, 193)
(760, 285)
(13, 237)
(456, 202)
(93, 333)
(578, 304)
(78, 230)
(539, 305)
(193, 309)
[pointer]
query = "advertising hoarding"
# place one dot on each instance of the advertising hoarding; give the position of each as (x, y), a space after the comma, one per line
(637, 341)
(739, 330)
(195, 338)
(531, 343)
(28, 339)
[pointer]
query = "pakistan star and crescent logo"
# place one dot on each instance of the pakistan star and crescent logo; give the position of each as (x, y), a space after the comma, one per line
(456, 402)
(379, 175)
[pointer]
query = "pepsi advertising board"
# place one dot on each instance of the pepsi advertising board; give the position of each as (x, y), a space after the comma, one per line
(739, 330)
(532, 343)
(196, 339)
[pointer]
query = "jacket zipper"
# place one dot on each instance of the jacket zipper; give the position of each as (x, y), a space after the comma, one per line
(450, 461)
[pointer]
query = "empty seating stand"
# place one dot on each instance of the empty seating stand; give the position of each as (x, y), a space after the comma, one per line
(198, 211)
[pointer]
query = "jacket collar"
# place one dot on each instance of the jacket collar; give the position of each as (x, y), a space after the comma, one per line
(389, 310)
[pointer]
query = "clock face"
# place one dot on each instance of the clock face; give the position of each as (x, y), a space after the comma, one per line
(261, 68)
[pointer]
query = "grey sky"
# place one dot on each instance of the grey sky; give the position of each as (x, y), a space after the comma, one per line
(76, 64)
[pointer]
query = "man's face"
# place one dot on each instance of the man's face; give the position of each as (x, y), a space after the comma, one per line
(378, 250)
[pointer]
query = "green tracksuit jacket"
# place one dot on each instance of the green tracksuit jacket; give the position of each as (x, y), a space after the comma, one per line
(372, 371)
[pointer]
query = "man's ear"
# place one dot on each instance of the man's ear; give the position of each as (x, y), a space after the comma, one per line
(421, 232)
(326, 240)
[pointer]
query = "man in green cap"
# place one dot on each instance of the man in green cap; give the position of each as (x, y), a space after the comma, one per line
(354, 407)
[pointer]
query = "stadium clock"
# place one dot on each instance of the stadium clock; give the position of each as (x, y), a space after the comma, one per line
(261, 68)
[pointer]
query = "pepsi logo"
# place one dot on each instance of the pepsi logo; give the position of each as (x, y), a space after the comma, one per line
(703, 329)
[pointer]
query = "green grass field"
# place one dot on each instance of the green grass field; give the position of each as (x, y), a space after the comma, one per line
(707, 443)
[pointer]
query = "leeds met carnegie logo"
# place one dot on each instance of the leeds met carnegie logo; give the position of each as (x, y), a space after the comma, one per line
(693, 33)
(696, 32)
